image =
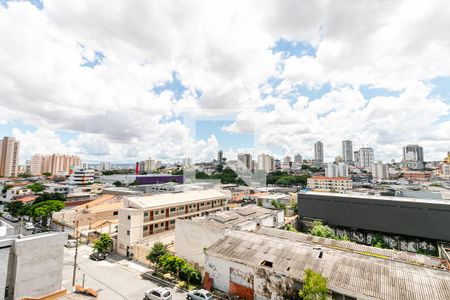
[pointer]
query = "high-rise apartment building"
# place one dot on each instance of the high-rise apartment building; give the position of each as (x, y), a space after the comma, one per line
(347, 151)
(380, 170)
(104, 166)
(318, 151)
(55, 164)
(246, 160)
(298, 159)
(413, 157)
(364, 157)
(266, 162)
(9, 157)
(336, 170)
(220, 156)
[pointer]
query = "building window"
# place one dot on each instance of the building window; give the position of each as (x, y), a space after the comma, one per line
(181, 208)
(162, 211)
(156, 212)
(129, 217)
(115, 213)
(156, 225)
(172, 221)
(173, 209)
(145, 214)
(162, 224)
(201, 204)
(128, 232)
(145, 227)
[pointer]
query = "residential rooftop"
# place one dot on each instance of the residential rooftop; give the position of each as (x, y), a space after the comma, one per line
(347, 272)
(164, 200)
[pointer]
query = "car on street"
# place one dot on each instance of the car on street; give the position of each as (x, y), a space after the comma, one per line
(29, 226)
(199, 295)
(71, 244)
(11, 218)
(158, 293)
(98, 256)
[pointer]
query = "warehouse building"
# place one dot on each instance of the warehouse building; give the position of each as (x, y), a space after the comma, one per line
(421, 218)
(270, 264)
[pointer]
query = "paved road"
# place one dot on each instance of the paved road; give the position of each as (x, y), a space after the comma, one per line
(116, 278)
(16, 227)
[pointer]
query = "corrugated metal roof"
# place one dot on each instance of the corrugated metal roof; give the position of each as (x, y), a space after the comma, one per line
(347, 272)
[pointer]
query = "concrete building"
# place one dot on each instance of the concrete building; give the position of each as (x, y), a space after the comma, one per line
(421, 218)
(104, 166)
(16, 191)
(31, 266)
(55, 164)
(270, 264)
(193, 236)
(413, 157)
(364, 157)
(380, 170)
(9, 157)
(220, 156)
(417, 175)
(266, 163)
(347, 151)
(267, 199)
(336, 170)
(330, 183)
(318, 152)
(246, 160)
(172, 187)
(158, 179)
(82, 177)
(144, 216)
(298, 160)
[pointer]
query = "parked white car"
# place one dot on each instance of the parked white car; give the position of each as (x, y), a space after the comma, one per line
(71, 243)
(29, 226)
(158, 294)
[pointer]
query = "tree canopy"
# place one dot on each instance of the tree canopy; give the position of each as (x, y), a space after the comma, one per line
(157, 251)
(314, 286)
(321, 230)
(103, 244)
(14, 208)
(36, 187)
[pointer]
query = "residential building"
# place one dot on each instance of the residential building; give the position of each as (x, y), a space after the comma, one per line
(220, 156)
(267, 200)
(104, 166)
(330, 183)
(412, 217)
(246, 160)
(318, 152)
(82, 177)
(347, 151)
(15, 192)
(364, 158)
(55, 164)
(9, 157)
(193, 236)
(271, 263)
(143, 216)
(413, 157)
(380, 170)
(31, 266)
(445, 170)
(298, 160)
(266, 163)
(417, 175)
(336, 170)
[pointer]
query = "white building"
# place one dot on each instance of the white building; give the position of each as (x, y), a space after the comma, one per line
(31, 266)
(9, 157)
(82, 177)
(380, 170)
(104, 166)
(298, 160)
(266, 163)
(267, 200)
(413, 157)
(364, 157)
(55, 164)
(143, 216)
(16, 191)
(445, 170)
(246, 160)
(318, 152)
(193, 236)
(336, 170)
(330, 183)
(347, 151)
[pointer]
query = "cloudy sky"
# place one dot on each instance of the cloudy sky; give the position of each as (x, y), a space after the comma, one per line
(113, 80)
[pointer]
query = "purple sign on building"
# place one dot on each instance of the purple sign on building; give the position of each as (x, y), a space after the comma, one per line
(155, 179)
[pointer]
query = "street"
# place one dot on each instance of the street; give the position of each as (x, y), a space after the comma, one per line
(114, 278)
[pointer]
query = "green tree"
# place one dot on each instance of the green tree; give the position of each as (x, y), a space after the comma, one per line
(50, 196)
(314, 286)
(6, 187)
(158, 250)
(379, 242)
(44, 210)
(15, 208)
(321, 230)
(36, 187)
(103, 244)
(47, 174)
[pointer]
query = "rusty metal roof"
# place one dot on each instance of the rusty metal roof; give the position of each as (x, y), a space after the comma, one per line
(351, 273)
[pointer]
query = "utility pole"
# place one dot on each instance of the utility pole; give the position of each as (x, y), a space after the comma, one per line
(76, 254)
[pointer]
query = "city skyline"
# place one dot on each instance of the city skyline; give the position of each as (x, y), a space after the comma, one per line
(114, 96)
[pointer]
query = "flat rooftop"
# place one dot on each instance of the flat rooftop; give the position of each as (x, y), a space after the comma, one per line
(377, 197)
(169, 199)
(358, 274)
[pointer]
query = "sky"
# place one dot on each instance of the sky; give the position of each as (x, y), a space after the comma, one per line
(116, 80)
